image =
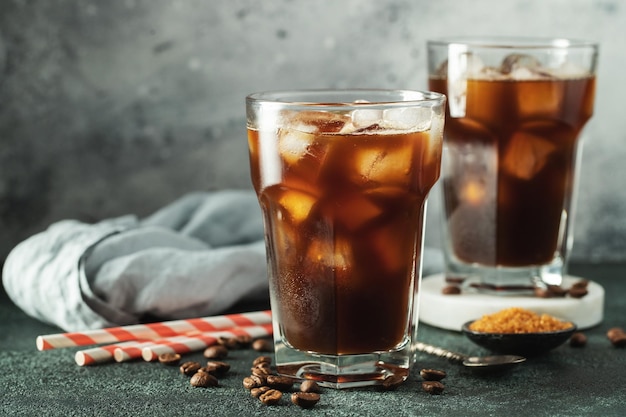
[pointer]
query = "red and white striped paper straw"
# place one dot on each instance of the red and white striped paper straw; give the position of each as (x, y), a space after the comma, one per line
(186, 344)
(152, 331)
(104, 353)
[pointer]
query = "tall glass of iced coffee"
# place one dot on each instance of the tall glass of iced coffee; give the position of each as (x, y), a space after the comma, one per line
(342, 178)
(516, 109)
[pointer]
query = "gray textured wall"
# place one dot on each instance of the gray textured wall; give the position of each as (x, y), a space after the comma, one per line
(116, 107)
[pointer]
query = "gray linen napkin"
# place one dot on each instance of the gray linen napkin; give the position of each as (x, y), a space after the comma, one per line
(196, 257)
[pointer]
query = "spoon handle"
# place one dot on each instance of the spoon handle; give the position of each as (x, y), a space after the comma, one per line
(441, 352)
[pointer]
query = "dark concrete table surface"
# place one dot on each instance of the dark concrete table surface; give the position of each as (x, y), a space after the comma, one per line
(589, 381)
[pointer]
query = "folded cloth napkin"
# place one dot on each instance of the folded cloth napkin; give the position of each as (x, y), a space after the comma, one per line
(196, 257)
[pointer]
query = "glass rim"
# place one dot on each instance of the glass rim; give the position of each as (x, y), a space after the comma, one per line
(306, 98)
(513, 42)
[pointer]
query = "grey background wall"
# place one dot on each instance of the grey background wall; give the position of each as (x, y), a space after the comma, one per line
(116, 107)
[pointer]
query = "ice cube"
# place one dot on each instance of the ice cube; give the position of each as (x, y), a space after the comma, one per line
(527, 154)
(569, 70)
(514, 62)
(294, 144)
(408, 118)
(363, 118)
(387, 243)
(539, 100)
(385, 165)
(315, 121)
(473, 192)
(354, 211)
(297, 204)
(335, 253)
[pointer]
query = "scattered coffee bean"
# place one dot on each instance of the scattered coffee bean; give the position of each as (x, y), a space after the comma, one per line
(257, 392)
(451, 279)
(189, 368)
(261, 370)
(391, 382)
(542, 292)
(249, 383)
(170, 359)
(583, 283)
(617, 336)
(577, 292)
(309, 386)
(556, 291)
(228, 342)
(614, 332)
(217, 368)
(282, 383)
(305, 399)
(432, 374)
(271, 397)
(203, 380)
(215, 352)
(433, 387)
(262, 360)
(243, 341)
(451, 290)
(578, 339)
(263, 345)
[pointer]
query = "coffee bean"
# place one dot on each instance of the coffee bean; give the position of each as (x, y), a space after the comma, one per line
(305, 399)
(557, 291)
(271, 397)
(614, 332)
(583, 283)
(263, 345)
(254, 381)
(619, 340)
(542, 292)
(217, 368)
(215, 352)
(169, 359)
(309, 386)
(228, 342)
(261, 370)
(249, 383)
(257, 392)
(433, 387)
(432, 374)
(577, 292)
(578, 339)
(282, 383)
(203, 380)
(451, 290)
(244, 340)
(262, 359)
(458, 280)
(392, 382)
(189, 368)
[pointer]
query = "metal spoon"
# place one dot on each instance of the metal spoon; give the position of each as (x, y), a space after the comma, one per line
(493, 361)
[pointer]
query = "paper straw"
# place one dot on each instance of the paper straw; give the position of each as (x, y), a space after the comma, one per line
(186, 344)
(103, 353)
(152, 331)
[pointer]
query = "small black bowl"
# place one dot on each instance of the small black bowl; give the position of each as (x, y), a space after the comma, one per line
(525, 344)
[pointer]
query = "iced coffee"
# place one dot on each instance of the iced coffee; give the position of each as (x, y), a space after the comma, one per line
(514, 120)
(342, 178)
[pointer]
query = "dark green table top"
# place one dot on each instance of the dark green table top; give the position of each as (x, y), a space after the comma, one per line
(589, 381)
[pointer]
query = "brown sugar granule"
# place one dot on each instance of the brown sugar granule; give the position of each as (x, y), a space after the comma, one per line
(518, 320)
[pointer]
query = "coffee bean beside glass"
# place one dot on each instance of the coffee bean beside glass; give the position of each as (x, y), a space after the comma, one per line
(342, 177)
(516, 109)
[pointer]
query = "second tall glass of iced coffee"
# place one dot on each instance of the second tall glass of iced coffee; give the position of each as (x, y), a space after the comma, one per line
(516, 109)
